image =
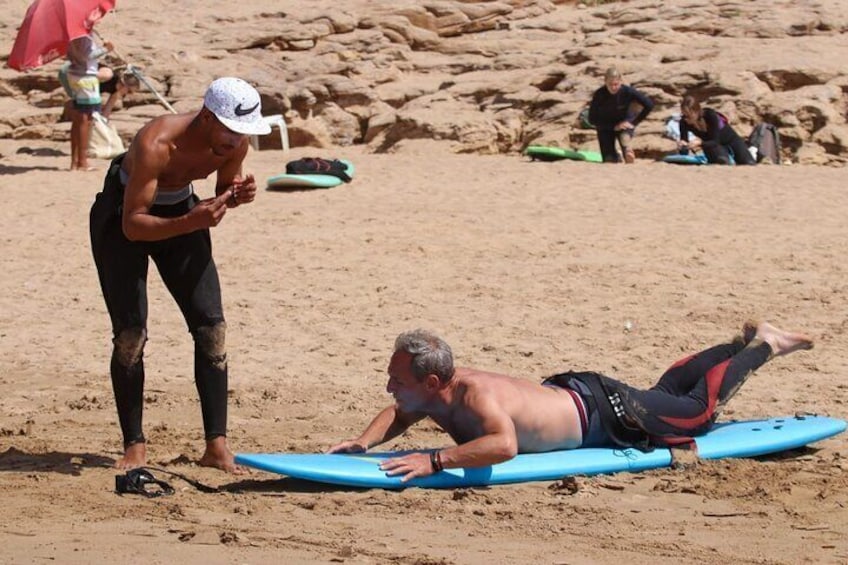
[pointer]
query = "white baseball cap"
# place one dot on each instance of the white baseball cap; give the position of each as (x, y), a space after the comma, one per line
(237, 105)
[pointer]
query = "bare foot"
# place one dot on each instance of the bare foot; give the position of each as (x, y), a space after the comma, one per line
(782, 342)
(629, 157)
(135, 456)
(219, 456)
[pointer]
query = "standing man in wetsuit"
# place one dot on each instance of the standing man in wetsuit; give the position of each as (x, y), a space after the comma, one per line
(148, 209)
(493, 417)
(615, 111)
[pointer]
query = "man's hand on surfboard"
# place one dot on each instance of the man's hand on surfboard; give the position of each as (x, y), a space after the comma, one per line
(410, 466)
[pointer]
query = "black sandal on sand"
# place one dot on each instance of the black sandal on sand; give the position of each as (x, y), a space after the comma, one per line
(137, 481)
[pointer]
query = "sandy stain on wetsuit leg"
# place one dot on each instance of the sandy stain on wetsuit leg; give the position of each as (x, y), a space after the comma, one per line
(211, 340)
(129, 346)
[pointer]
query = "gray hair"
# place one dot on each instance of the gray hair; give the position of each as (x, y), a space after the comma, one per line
(430, 354)
(612, 73)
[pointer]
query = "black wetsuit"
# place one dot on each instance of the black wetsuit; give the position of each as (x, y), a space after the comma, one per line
(110, 86)
(683, 404)
(718, 138)
(186, 266)
(607, 110)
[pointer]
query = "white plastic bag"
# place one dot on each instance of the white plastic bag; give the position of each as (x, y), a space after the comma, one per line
(672, 128)
(104, 141)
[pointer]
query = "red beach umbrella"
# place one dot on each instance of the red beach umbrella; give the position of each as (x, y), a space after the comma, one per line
(48, 27)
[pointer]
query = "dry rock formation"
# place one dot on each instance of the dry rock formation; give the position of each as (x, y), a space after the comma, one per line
(485, 76)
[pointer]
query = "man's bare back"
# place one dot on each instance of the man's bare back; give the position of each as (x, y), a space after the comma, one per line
(545, 417)
(188, 156)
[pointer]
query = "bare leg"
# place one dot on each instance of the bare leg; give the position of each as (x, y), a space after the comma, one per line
(135, 456)
(219, 456)
(76, 124)
(782, 342)
(82, 141)
(625, 137)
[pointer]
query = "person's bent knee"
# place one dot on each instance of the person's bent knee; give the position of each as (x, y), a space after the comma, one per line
(211, 341)
(129, 345)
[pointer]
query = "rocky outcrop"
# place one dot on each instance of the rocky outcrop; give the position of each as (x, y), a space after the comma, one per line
(487, 76)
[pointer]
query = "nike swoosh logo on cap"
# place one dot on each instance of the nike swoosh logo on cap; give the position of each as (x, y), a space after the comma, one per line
(239, 111)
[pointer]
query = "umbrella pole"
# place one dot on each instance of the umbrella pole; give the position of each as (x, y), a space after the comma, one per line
(137, 73)
(143, 80)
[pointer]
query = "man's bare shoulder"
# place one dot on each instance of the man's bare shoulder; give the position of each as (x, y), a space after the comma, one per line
(468, 372)
(164, 129)
(153, 145)
(478, 382)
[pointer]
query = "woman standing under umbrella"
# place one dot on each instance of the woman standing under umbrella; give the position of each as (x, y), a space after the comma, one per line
(79, 77)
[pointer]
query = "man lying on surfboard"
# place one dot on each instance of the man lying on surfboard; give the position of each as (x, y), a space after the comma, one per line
(493, 417)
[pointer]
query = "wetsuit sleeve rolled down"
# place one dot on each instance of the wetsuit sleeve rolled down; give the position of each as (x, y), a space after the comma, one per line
(594, 108)
(684, 131)
(713, 125)
(643, 100)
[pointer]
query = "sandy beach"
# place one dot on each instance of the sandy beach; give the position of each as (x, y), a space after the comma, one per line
(525, 268)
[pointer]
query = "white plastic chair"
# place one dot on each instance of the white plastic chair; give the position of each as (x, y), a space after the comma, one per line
(274, 120)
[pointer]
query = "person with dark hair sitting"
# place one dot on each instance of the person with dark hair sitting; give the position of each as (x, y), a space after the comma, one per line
(116, 85)
(713, 134)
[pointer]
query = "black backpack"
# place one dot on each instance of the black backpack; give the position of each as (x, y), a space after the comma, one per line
(316, 166)
(766, 140)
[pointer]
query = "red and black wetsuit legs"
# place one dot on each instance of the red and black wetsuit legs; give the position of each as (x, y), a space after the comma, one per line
(684, 401)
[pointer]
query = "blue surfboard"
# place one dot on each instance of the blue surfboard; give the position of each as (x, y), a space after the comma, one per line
(678, 159)
(732, 439)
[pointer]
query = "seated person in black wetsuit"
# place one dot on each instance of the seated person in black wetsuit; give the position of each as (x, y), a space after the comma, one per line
(715, 135)
(615, 111)
(116, 85)
(493, 417)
